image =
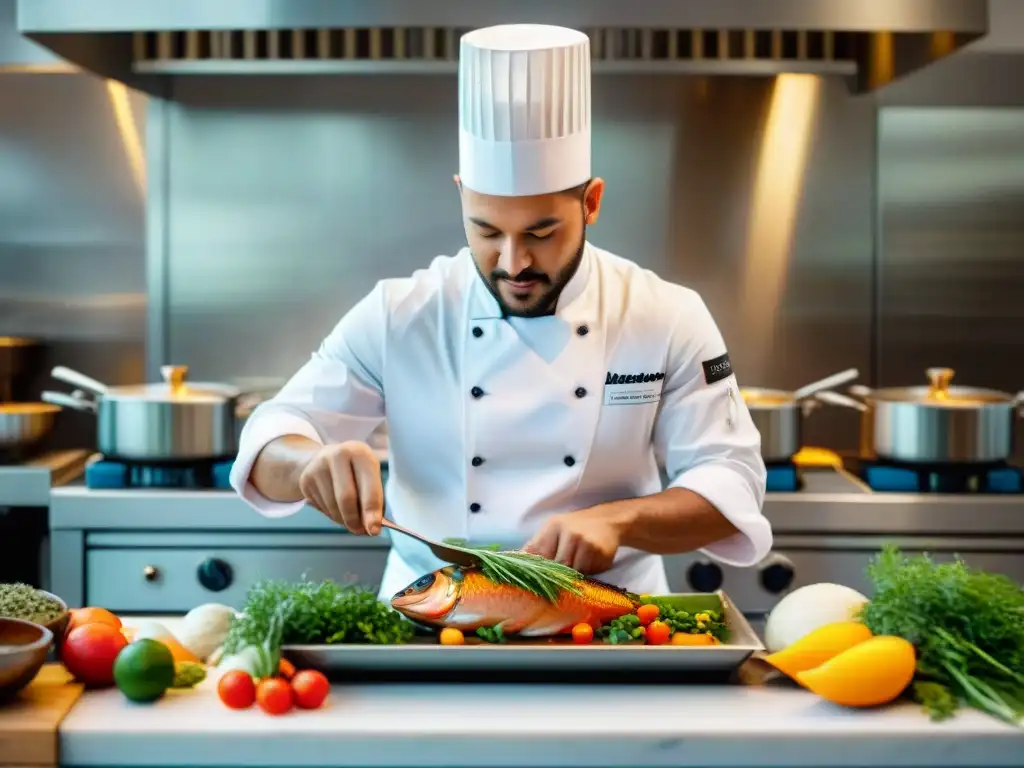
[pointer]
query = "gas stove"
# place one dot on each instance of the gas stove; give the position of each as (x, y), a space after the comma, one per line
(201, 475)
(896, 477)
(783, 477)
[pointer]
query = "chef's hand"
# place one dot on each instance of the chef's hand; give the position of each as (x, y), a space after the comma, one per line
(585, 540)
(343, 481)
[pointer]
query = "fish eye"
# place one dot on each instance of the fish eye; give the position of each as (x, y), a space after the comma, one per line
(423, 582)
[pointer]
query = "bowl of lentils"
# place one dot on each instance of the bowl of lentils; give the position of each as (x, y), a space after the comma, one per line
(25, 602)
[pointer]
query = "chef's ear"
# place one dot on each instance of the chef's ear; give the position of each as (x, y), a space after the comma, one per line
(592, 200)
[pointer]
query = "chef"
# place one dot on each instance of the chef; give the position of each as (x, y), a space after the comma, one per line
(539, 392)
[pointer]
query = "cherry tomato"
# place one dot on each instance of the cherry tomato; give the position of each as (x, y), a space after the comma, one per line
(88, 653)
(236, 689)
(452, 636)
(310, 688)
(582, 634)
(286, 669)
(657, 633)
(647, 613)
(274, 696)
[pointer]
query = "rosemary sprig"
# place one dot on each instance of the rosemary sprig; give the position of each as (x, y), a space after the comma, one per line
(538, 575)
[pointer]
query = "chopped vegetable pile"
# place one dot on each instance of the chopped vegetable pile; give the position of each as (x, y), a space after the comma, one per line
(22, 601)
(656, 622)
(966, 625)
(316, 612)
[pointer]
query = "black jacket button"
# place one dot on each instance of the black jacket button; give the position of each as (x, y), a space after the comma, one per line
(569, 461)
(582, 330)
(477, 461)
(474, 507)
(581, 392)
(476, 392)
(478, 331)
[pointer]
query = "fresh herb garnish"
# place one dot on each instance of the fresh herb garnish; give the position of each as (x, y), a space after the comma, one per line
(966, 625)
(538, 575)
(493, 634)
(315, 612)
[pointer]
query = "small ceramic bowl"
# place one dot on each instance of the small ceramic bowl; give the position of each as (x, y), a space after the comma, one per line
(59, 625)
(23, 650)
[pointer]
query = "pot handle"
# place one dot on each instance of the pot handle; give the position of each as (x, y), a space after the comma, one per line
(834, 398)
(67, 401)
(76, 379)
(828, 382)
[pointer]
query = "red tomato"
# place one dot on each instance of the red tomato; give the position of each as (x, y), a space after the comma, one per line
(310, 688)
(88, 653)
(274, 696)
(582, 634)
(286, 669)
(647, 613)
(658, 633)
(236, 689)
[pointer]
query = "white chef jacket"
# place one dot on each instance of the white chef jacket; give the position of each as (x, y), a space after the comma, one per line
(496, 424)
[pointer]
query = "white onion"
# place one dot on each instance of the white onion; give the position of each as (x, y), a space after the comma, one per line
(806, 609)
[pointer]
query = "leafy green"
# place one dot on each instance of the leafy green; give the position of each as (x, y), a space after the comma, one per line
(966, 625)
(543, 577)
(493, 634)
(315, 612)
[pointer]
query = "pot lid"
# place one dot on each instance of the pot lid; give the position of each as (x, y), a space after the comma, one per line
(174, 388)
(939, 393)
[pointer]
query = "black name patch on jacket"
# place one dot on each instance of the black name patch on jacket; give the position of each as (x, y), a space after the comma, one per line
(632, 378)
(717, 368)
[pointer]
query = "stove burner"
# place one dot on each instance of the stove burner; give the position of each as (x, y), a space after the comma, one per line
(783, 478)
(112, 475)
(893, 477)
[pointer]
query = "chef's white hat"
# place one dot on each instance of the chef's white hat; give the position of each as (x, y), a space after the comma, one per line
(524, 109)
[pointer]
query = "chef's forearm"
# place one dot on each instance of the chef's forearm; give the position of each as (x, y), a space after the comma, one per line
(675, 521)
(276, 471)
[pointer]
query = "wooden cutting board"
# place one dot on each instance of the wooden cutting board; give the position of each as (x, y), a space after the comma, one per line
(29, 722)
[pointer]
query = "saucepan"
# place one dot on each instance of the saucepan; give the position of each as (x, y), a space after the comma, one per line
(937, 423)
(778, 414)
(171, 421)
(22, 424)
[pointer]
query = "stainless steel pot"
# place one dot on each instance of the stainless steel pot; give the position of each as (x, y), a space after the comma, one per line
(778, 414)
(22, 425)
(938, 423)
(173, 421)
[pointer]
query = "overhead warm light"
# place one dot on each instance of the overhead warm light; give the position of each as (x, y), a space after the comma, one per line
(129, 131)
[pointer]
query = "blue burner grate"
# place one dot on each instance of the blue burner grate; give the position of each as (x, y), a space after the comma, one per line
(908, 480)
(111, 475)
(782, 479)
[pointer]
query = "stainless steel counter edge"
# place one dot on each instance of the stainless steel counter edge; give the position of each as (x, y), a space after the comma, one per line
(24, 486)
(853, 513)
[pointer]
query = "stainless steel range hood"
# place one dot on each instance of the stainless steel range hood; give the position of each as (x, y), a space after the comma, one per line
(871, 42)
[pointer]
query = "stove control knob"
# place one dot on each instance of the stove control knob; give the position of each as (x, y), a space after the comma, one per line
(704, 576)
(215, 574)
(777, 574)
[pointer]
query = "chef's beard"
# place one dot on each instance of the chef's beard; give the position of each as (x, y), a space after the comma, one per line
(548, 301)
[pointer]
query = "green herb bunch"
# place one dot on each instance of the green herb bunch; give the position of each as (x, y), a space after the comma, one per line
(539, 575)
(967, 627)
(316, 612)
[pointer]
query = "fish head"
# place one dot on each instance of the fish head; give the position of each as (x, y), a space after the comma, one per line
(432, 596)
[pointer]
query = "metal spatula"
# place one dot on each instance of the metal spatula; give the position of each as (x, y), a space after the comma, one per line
(441, 551)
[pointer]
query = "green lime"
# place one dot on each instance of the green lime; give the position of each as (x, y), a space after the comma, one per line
(143, 670)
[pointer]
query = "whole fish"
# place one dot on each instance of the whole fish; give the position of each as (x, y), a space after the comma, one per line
(466, 599)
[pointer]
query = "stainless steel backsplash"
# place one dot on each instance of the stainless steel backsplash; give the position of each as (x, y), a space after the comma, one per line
(276, 203)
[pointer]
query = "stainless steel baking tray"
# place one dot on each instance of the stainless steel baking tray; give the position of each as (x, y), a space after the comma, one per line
(425, 655)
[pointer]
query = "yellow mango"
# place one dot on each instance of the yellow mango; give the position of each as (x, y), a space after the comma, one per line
(818, 646)
(870, 674)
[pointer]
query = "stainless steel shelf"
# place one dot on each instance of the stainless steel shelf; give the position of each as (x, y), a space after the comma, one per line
(831, 504)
